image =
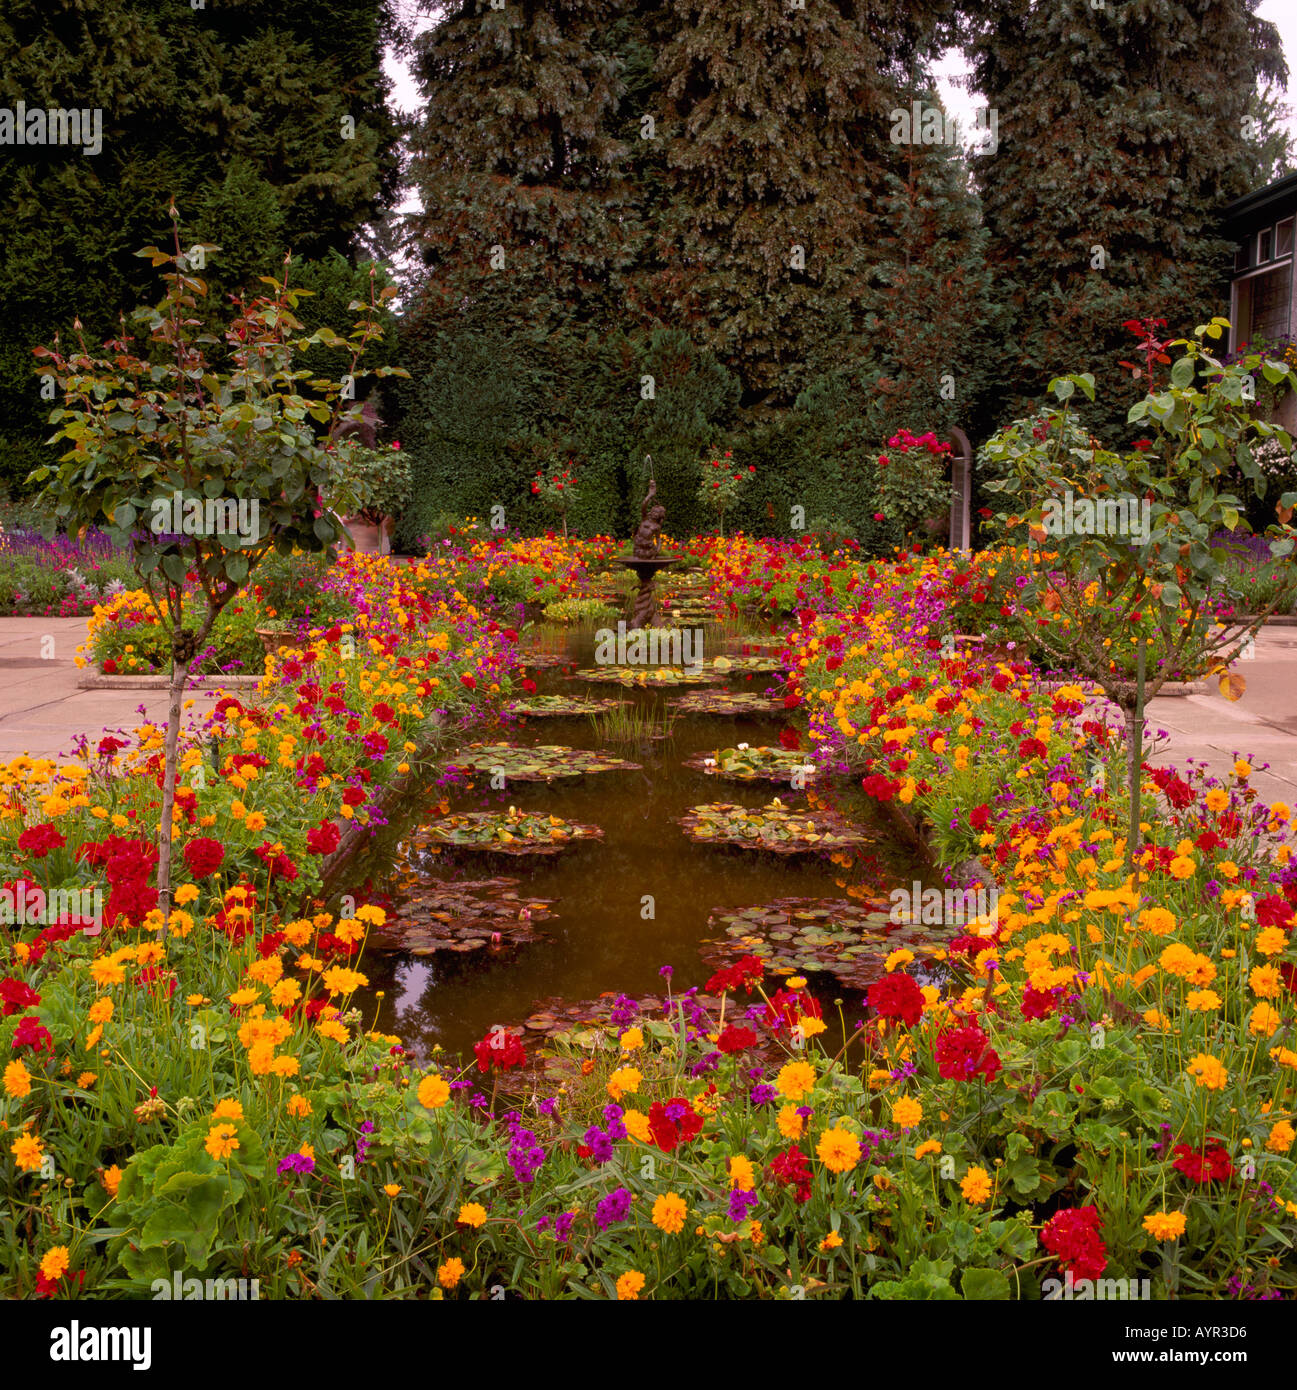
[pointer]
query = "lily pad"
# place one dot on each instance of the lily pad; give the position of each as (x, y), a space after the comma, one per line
(558, 706)
(473, 915)
(776, 827)
(544, 762)
(742, 704)
(505, 832)
(649, 676)
(744, 764)
(537, 660)
(849, 939)
(745, 665)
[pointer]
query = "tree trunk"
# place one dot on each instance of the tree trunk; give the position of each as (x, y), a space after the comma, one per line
(1134, 759)
(179, 673)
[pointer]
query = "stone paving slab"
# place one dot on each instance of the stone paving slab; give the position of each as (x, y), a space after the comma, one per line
(42, 708)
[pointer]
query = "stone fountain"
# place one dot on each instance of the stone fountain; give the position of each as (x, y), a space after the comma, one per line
(644, 559)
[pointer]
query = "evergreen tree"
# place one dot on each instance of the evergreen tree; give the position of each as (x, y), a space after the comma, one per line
(241, 111)
(1121, 137)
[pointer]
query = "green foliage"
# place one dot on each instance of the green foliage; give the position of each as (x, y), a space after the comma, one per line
(235, 111)
(376, 482)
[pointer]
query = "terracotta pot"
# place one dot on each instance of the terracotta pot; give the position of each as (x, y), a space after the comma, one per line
(272, 638)
(368, 538)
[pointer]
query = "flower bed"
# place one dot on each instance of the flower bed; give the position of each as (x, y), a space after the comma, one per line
(1102, 1085)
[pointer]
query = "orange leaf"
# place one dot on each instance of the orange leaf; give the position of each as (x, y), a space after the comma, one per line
(1232, 686)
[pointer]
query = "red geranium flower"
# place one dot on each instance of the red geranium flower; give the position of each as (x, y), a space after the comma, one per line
(499, 1049)
(673, 1122)
(1073, 1235)
(736, 1038)
(323, 838)
(204, 856)
(40, 839)
(963, 1053)
(897, 996)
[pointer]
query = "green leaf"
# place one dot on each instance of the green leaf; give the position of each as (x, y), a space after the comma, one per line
(983, 1284)
(1182, 372)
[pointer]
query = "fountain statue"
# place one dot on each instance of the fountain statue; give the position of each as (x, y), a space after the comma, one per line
(644, 558)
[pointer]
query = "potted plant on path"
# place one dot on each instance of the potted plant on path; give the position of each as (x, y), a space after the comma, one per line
(376, 485)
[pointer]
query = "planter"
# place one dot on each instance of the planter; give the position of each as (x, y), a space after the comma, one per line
(368, 537)
(272, 638)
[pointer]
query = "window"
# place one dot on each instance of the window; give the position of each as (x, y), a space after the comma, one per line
(1283, 238)
(1241, 258)
(1265, 246)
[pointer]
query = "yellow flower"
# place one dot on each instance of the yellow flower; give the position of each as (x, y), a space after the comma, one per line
(623, 1080)
(86, 1080)
(1202, 1000)
(54, 1263)
(393, 1189)
(28, 1152)
(1165, 1225)
(669, 1212)
(221, 1141)
(298, 1107)
(1281, 1137)
(629, 1285)
(1207, 1071)
(1264, 981)
(472, 1214)
(795, 1079)
(1263, 1021)
(838, 1150)
(832, 1241)
(897, 959)
(907, 1113)
(741, 1173)
(976, 1186)
(1217, 800)
(790, 1122)
(1271, 941)
(450, 1273)
(18, 1080)
(637, 1125)
(433, 1092)
(255, 821)
(929, 1146)
(227, 1110)
(185, 894)
(111, 1177)
(1157, 920)
(631, 1040)
(1242, 769)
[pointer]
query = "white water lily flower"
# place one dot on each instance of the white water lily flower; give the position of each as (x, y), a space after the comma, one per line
(743, 748)
(709, 762)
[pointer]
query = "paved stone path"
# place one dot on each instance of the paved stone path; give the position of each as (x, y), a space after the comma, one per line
(42, 708)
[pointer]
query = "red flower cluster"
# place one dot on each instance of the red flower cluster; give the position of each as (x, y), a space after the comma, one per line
(963, 1053)
(1073, 1235)
(499, 1049)
(1038, 1003)
(790, 1007)
(790, 1169)
(17, 996)
(204, 856)
(897, 996)
(743, 974)
(278, 864)
(128, 865)
(40, 839)
(673, 1122)
(1208, 1164)
(323, 838)
(31, 1032)
(735, 1037)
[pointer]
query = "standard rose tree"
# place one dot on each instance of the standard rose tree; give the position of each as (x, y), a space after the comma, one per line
(173, 423)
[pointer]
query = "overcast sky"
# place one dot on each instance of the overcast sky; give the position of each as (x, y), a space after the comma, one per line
(960, 103)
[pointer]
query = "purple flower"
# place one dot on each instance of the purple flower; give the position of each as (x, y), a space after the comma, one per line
(612, 1208)
(741, 1203)
(599, 1144)
(296, 1163)
(764, 1094)
(563, 1226)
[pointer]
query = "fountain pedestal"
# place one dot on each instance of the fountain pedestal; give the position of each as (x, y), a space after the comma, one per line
(644, 609)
